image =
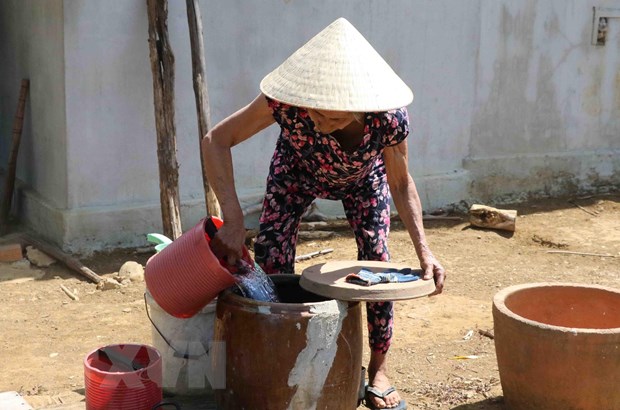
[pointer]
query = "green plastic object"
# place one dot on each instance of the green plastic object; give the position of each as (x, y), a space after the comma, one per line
(159, 247)
(160, 240)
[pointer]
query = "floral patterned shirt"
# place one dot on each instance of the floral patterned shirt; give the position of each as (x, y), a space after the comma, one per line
(307, 159)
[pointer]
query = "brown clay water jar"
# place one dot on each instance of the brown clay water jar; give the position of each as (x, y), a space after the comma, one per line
(558, 346)
(303, 353)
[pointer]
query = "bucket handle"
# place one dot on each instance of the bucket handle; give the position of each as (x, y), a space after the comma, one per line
(176, 353)
(166, 403)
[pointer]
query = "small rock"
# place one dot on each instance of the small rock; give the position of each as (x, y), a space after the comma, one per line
(137, 276)
(108, 284)
(38, 258)
(126, 282)
(21, 264)
(52, 355)
(133, 271)
(127, 310)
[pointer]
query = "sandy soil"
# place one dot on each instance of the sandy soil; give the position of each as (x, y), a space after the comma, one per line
(45, 335)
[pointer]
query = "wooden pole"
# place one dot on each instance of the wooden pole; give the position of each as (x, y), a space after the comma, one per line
(199, 74)
(9, 185)
(71, 262)
(162, 68)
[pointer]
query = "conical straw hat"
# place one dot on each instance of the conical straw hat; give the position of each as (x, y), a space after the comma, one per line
(337, 70)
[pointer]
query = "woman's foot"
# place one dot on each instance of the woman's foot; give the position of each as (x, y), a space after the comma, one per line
(377, 378)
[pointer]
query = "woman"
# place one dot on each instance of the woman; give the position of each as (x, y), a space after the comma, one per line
(341, 111)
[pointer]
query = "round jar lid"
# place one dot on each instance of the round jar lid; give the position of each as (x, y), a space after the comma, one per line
(328, 279)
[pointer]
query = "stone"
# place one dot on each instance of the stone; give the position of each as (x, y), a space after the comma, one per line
(137, 276)
(38, 258)
(133, 271)
(21, 264)
(108, 284)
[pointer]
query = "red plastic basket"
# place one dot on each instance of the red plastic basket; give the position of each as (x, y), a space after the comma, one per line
(110, 386)
(185, 276)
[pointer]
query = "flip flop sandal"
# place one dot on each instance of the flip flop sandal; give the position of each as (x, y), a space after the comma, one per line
(377, 393)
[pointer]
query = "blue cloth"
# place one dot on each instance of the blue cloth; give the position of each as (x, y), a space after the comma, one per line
(366, 277)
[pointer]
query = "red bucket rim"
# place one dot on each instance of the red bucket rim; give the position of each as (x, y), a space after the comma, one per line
(152, 363)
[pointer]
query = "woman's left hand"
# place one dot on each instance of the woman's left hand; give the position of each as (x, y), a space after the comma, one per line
(433, 270)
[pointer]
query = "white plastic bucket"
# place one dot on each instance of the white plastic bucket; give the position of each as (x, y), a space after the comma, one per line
(184, 346)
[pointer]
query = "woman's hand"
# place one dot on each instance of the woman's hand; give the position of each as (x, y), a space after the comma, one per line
(407, 201)
(433, 270)
(227, 244)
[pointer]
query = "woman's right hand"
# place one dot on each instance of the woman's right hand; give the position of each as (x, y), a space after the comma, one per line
(227, 244)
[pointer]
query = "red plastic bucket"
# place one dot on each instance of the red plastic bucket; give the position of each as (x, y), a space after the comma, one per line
(110, 386)
(185, 276)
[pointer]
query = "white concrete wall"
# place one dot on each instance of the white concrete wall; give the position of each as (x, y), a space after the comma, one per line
(511, 100)
(31, 46)
(546, 116)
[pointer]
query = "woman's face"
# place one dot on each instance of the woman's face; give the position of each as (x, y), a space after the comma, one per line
(330, 121)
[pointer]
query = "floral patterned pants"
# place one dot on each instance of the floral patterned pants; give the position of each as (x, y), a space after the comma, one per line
(368, 214)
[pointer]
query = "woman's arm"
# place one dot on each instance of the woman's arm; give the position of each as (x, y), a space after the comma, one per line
(409, 208)
(216, 147)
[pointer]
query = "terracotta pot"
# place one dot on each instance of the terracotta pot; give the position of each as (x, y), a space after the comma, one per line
(304, 353)
(558, 346)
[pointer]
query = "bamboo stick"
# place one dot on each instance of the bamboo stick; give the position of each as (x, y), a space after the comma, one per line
(602, 255)
(9, 186)
(199, 75)
(69, 293)
(313, 254)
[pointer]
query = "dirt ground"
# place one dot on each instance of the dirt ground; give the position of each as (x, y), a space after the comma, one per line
(44, 335)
